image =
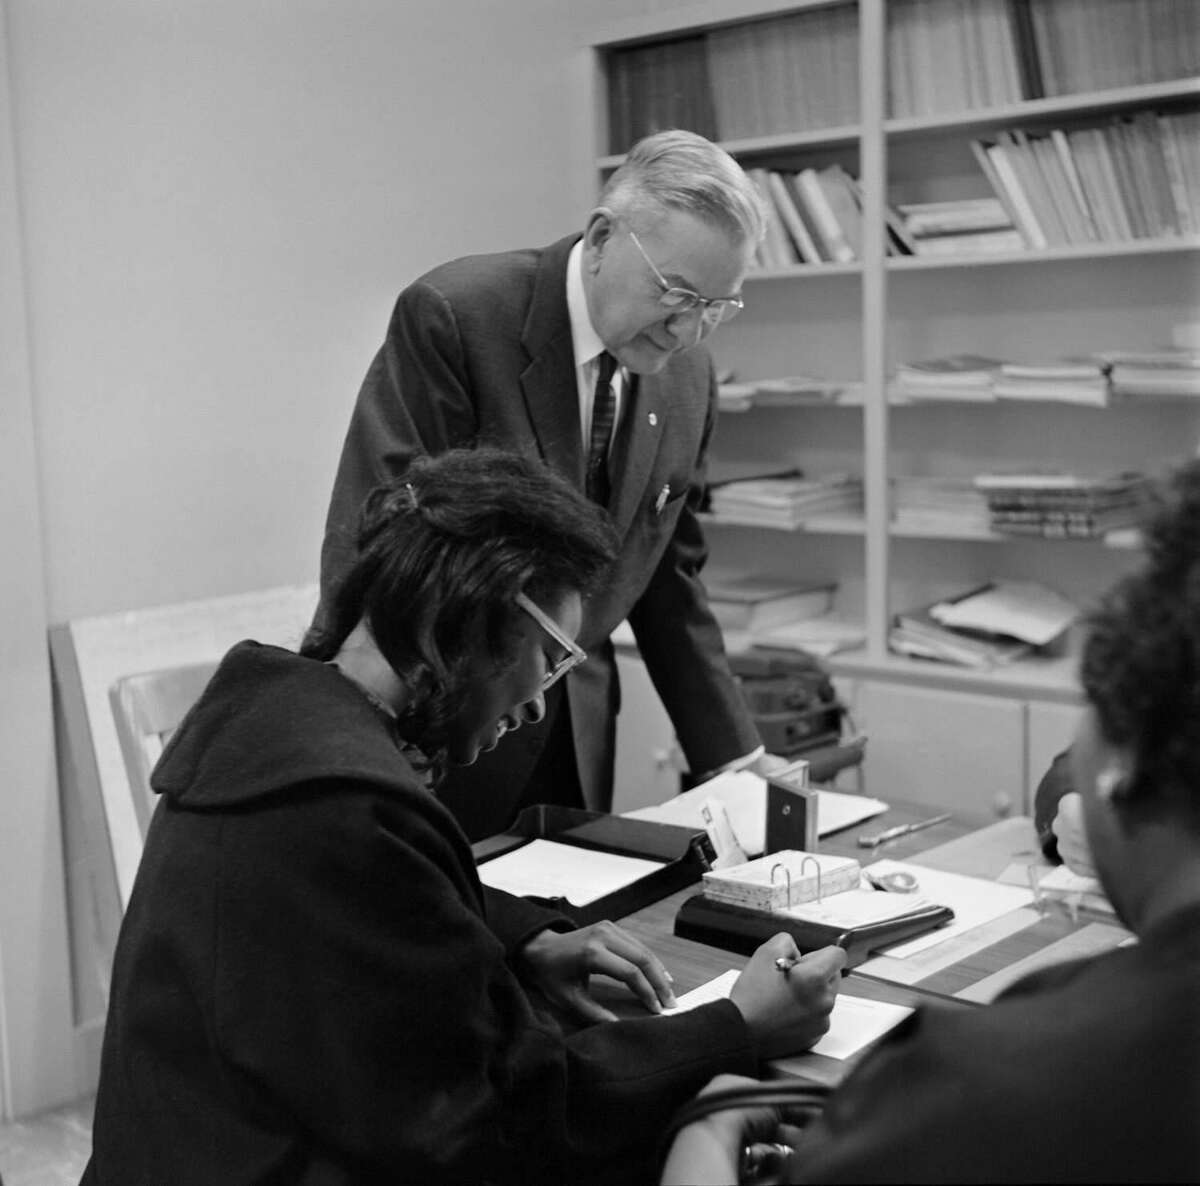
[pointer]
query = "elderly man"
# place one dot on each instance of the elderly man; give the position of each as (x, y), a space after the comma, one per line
(587, 353)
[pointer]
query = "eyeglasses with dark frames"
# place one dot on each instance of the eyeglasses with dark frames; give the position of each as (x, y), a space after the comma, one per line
(713, 310)
(573, 654)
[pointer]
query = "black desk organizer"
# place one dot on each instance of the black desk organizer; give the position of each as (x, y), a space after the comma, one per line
(736, 928)
(687, 853)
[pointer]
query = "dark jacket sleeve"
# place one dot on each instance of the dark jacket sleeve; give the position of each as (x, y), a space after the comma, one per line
(1056, 783)
(423, 358)
(366, 993)
(681, 643)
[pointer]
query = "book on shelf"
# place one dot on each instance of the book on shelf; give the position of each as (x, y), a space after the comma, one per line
(1024, 610)
(954, 217)
(996, 242)
(793, 221)
(1064, 505)
(785, 502)
(752, 601)
(793, 389)
(1077, 382)
(1164, 373)
(999, 167)
(985, 627)
(916, 633)
(835, 244)
(953, 376)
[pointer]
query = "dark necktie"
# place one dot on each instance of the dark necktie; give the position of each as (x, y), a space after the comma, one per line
(604, 406)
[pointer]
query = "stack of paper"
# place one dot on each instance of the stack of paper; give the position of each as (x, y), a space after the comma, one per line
(1063, 505)
(955, 377)
(1068, 382)
(782, 879)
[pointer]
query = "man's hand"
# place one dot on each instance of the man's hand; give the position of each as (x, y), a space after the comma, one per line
(766, 764)
(561, 964)
(1072, 837)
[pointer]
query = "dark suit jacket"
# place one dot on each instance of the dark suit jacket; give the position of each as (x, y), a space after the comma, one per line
(1087, 1072)
(479, 352)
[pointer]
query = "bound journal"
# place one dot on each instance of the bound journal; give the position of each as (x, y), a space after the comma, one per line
(819, 900)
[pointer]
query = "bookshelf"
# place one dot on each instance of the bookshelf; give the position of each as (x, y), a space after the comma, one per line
(1089, 65)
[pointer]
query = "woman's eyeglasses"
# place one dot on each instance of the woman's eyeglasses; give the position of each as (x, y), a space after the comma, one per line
(573, 654)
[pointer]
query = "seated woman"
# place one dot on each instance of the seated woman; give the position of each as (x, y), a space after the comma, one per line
(1088, 1071)
(310, 985)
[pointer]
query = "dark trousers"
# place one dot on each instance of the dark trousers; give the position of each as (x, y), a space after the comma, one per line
(536, 764)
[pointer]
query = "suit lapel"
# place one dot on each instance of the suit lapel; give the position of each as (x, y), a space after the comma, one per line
(548, 382)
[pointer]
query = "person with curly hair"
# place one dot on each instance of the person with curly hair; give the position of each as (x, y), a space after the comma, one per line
(1083, 1072)
(311, 986)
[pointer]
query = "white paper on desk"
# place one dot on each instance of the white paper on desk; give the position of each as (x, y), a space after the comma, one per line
(858, 908)
(973, 900)
(855, 1022)
(745, 797)
(545, 869)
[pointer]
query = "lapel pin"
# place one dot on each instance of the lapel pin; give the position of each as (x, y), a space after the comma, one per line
(663, 495)
(653, 418)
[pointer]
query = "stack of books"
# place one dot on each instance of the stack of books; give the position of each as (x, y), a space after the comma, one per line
(1080, 382)
(786, 502)
(955, 377)
(986, 627)
(966, 226)
(1162, 373)
(939, 506)
(1059, 506)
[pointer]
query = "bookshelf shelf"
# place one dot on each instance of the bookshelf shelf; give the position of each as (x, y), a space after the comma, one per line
(1039, 110)
(1127, 285)
(1090, 251)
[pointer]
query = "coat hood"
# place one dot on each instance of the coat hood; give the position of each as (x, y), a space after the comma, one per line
(270, 720)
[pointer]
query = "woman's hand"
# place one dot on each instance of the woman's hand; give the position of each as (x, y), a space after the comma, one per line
(708, 1152)
(561, 964)
(787, 1012)
(1072, 838)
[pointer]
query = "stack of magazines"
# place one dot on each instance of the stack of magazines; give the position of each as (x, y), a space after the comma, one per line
(786, 502)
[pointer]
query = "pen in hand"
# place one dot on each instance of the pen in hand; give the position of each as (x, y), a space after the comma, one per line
(785, 963)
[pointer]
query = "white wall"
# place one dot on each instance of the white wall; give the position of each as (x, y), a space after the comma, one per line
(216, 202)
(223, 198)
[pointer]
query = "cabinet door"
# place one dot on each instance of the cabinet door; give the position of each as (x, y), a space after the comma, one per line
(1050, 730)
(648, 758)
(950, 750)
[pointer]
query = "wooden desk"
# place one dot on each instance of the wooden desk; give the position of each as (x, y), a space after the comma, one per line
(956, 846)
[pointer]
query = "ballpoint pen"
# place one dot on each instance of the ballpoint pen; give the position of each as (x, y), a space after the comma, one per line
(875, 839)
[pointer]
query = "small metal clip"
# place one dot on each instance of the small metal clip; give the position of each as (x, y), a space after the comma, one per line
(817, 865)
(788, 874)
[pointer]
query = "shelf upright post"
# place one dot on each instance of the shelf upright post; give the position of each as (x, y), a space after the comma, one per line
(872, 66)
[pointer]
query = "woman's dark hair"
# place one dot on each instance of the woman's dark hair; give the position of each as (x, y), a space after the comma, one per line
(443, 551)
(1141, 661)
